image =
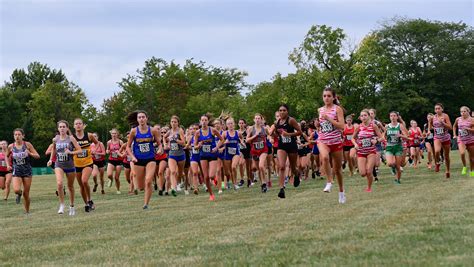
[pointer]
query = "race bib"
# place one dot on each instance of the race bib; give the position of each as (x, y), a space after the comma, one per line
(195, 151)
(144, 148)
(97, 156)
(174, 146)
(114, 155)
(258, 145)
(20, 161)
(83, 154)
(326, 127)
(463, 132)
(300, 147)
(242, 146)
(206, 148)
(3, 163)
(394, 139)
(439, 131)
(286, 139)
(367, 142)
(430, 136)
(349, 137)
(231, 150)
(62, 157)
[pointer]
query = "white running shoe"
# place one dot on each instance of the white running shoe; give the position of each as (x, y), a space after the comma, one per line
(118, 193)
(178, 188)
(72, 211)
(186, 192)
(328, 187)
(220, 191)
(236, 187)
(342, 198)
(61, 209)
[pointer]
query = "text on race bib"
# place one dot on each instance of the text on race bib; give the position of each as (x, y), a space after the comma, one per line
(206, 148)
(349, 137)
(258, 145)
(463, 132)
(286, 139)
(114, 155)
(231, 150)
(3, 163)
(174, 146)
(62, 157)
(326, 127)
(394, 139)
(83, 154)
(144, 148)
(20, 161)
(366, 142)
(439, 131)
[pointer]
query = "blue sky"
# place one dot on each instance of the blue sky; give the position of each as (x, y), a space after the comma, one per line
(96, 43)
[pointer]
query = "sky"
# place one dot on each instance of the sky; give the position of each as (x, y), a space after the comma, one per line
(97, 43)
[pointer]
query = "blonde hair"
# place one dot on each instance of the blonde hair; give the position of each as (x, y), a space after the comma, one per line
(466, 108)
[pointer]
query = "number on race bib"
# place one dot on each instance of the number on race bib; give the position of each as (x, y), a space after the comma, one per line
(394, 139)
(463, 132)
(3, 163)
(326, 127)
(439, 131)
(286, 139)
(195, 151)
(97, 156)
(174, 146)
(258, 145)
(367, 142)
(83, 154)
(206, 148)
(20, 161)
(114, 155)
(144, 148)
(62, 157)
(349, 137)
(231, 150)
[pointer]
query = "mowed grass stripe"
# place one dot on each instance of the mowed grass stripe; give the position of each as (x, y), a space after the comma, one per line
(424, 221)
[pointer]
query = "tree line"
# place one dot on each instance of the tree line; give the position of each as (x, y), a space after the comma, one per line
(406, 65)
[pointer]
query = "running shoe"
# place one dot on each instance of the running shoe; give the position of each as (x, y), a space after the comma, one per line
(173, 192)
(281, 194)
(241, 183)
(91, 205)
(437, 167)
(145, 207)
(118, 192)
(166, 193)
(264, 188)
(196, 191)
(368, 190)
(236, 187)
(328, 187)
(212, 198)
(318, 173)
(72, 211)
(393, 170)
(471, 174)
(110, 182)
(95, 188)
(219, 192)
(448, 175)
(160, 193)
(343, 165)
(18, 198)
(102, 192)
(342, 198)
(248, 183)
(397, 181)
(464, 171)
(186, 192)
(313, 175)
(376, 179)
(155, 186)
(87, 208)
(135, 191)
(296, 181)
(61, 209)
(178, 188)
(223, 185)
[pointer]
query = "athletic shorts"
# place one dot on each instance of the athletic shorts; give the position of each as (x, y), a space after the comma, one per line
(289, 148)
(144, 162)
(116, 162)
(177, 158)
(212, 158)
(396, 150)
(431, 141)
(445, 143)
(469, 145)
(99, 164)
(303, 152)
(79, 169)
(378, 147)
(195, 158)
(70, 170)
(53, 165)
(245, 153)
(274, 151)
(334, 148)
(160, 160)
(365, 155)
(3, 174)
(126, 165)
(347, 148)
(229, 157)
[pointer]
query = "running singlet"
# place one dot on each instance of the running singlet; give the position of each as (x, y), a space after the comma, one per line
(415, 136)
(114, 149)
(259, 143)
(158, 156)
(347, 134)
(364, 139)
(232, 147)
(83, 159)
(393, 135)
(243, 146)
(208, 144)
(194, 151)
(286, 142)
(143, 145)
(97, 158)
(3, 162)
(21, 162)
(176, 150)
(328, 133)
(440, 132)
(464, 135)
(63, 160)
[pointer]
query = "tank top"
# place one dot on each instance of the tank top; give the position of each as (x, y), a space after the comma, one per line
(194, 151)
(347, 134)
(158, 156)
(114, 149)
(364, 139)
(97, 158)
(63, 160)
(393, 135)
(3, 162)
(176, 150)
(21, 162)
(285, 140)
(328, 134)
(259, 143)
(208, 143)
(429, 133)
(244, 145)
(464, 135)
(143, 145)
(232, 147)
(84, 158)
(440, 132)
(315, 138)
(415, 136)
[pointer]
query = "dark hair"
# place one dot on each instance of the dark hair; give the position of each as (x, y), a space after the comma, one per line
(19, 130)
(68, 132)
(132, 117)
(439, 104)
(242, 119)
(285, 106)
(335, 101)
(175, 117)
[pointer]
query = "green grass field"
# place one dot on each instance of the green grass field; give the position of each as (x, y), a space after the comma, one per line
(425, 221)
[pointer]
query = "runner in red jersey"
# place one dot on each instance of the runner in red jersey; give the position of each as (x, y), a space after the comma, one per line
(415, 136)
(348, 146)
